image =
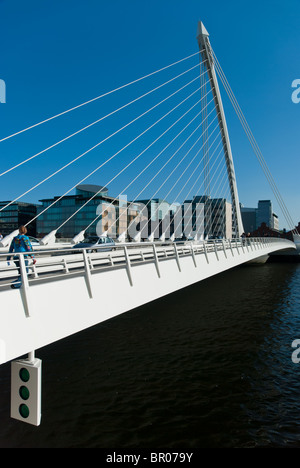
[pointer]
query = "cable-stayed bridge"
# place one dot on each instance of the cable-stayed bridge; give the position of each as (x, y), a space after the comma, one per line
(170, 143)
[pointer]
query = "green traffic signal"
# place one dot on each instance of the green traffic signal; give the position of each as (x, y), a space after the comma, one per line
(24, 374)
(26, 390)
(24, 393)
(24, 411)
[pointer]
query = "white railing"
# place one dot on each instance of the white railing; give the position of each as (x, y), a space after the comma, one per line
(54, 264)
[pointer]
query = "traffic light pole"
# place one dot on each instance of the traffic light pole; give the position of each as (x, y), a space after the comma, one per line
(31, 356)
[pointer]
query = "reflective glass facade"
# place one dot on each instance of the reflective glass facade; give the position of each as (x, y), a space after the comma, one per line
(90, 210)
(15, 215)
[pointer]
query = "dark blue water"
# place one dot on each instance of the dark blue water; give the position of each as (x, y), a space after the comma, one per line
(209, 366)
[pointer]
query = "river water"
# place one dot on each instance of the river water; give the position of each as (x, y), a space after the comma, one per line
(208, 366)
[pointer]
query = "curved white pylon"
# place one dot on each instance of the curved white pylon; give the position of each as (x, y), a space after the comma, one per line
(205, 50)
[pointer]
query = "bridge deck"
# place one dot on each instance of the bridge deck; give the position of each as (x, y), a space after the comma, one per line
(67, 292)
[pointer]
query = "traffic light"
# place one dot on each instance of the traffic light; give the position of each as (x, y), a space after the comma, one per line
(26, 391)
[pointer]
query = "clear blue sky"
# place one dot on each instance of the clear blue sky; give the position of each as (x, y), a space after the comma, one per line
(56, 54)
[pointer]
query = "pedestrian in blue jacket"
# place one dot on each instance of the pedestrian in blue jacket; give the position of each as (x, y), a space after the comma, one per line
(20, 243)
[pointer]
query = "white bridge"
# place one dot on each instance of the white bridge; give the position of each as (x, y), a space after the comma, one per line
(67, 291)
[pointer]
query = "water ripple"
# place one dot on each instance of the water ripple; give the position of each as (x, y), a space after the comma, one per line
(209, 366)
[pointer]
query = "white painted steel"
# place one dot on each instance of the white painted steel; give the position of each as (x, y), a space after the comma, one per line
(207, 57)
(34, 385)
(65, 293)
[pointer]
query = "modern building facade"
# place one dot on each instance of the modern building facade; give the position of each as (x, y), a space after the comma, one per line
(156, 218)
(249, 219)
(91, 209)
(265, 214)
(207, 217)
(255, 217)
(221, 219)
(17, 214)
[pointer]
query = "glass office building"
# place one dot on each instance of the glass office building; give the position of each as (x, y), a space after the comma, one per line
(157, 215)
(207, 217)
(91, 209)
(265, 215)
(15, 215)
(253, 218)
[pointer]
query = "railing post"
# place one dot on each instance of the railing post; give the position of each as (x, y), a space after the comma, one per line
(87, 270)
(193, 255)
(205, 251)
(156, 260)
(128, 265)
(177, 257)
(230, 243)
(35, 273)
(111, 260)
(25, 285)
(224, 249)
(65, 265)
(215, 247)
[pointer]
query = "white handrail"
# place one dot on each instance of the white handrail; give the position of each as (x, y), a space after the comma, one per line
(62, 262)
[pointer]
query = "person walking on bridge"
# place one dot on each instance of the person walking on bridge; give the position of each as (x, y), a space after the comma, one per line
(20, 243)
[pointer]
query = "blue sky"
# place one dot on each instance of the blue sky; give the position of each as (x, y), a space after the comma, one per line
(57, 54)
